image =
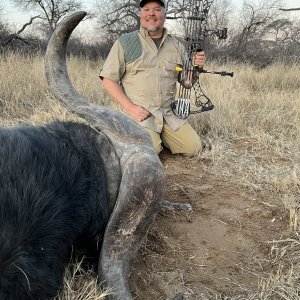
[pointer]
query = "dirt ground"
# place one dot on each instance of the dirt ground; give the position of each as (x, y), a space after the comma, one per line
(220, 249)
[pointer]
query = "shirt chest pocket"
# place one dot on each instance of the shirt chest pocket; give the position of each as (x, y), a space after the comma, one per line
(138, 67)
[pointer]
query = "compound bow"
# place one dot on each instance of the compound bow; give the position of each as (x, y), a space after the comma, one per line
(196, 32)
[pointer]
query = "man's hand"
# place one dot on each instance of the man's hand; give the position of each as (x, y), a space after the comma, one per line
(138, 113)
(187, 78)
(199, 59)
(116, 92)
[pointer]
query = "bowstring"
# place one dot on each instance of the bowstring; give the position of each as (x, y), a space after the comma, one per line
(185, 93)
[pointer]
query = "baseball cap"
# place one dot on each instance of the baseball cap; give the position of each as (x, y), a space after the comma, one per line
(161, 2)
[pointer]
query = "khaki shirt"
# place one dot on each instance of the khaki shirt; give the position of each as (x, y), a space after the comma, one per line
(150, 79)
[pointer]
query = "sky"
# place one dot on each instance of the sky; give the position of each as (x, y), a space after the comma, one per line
(14, 15)
(17, 18)
(290, 3)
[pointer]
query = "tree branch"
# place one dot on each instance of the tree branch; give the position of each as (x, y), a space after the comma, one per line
(27, 24)
(289, 9)
(16, 36)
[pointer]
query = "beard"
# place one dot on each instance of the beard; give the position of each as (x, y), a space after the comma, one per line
(152, 29)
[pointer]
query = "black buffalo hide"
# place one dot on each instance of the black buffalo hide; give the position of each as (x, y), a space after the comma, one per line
(52, 199)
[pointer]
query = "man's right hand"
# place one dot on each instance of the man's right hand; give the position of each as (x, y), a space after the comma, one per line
(138, 113)
(116, 92)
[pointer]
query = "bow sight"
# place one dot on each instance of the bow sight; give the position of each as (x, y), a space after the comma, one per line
(195, 34)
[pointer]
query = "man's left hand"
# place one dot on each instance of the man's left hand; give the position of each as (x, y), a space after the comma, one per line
(199, 59)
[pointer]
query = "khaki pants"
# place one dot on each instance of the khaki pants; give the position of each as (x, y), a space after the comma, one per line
(184, 140)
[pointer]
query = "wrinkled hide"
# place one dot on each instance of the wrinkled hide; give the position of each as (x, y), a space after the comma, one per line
(52, 198)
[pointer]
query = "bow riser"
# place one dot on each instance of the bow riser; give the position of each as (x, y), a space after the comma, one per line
(195, 34)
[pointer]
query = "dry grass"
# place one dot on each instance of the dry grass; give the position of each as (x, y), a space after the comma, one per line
(254, 130)
(25, 97)
(253, 133)
(80, 284)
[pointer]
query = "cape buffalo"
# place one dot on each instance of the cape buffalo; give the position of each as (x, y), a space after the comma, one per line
(53, 198)
(64, 184)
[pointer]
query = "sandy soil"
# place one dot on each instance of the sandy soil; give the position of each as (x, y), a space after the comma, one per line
(220, 249)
